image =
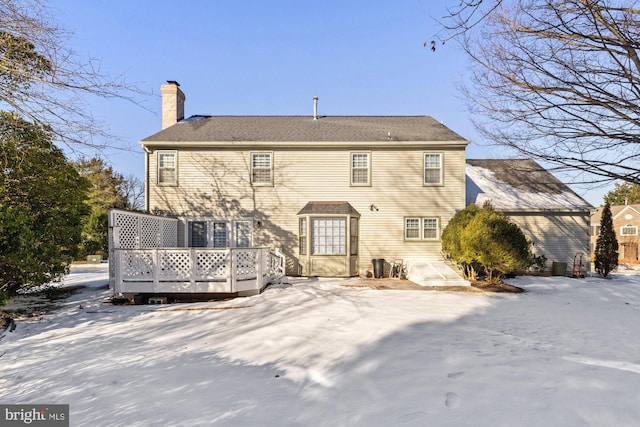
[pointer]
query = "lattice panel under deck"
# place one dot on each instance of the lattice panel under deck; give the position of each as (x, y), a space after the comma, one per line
(174, 265)
(212, 264)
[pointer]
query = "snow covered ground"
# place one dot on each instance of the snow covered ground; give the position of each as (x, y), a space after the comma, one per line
(316, 353)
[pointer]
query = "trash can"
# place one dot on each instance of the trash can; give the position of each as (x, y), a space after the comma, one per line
(558, 268)
(378, 267)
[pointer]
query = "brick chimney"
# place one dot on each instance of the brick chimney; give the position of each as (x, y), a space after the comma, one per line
(172, 103)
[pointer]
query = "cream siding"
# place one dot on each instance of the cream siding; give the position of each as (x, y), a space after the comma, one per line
(217, 184)
(558, 236)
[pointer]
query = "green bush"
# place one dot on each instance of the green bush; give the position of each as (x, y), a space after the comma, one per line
(484, 241)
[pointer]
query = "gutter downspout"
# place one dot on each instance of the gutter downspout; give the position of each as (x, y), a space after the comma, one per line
(146, 178)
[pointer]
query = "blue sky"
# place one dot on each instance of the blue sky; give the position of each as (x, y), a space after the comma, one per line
(246, 57)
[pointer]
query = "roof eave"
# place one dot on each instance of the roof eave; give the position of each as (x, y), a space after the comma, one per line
(584, 210)
(305, 144)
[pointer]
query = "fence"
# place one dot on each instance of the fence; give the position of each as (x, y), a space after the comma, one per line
(195, 270)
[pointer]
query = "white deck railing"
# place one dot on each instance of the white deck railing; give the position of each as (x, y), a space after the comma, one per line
(195, 270)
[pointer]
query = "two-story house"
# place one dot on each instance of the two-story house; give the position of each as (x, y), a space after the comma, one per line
(626, 220)
(332, 192)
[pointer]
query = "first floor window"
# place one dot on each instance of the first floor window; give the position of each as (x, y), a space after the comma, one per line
(198, 234)
(328, 236)
(261, 169)
(220, 239)
(354, 236)
(220, 233)
(243, 234)
(303, 236)
(421, 228)
(167, 168)
(430, 228)
(412, 228)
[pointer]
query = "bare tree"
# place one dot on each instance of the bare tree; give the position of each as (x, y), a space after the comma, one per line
(46, 82)
(556, 80)
(132, 188)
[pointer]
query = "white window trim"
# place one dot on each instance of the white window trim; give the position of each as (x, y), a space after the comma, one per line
(424, 219)
(421, 236)
(175, 167)
(261, 184)
(351, 168)
(635, 227)
(406, 220)
(424, 168)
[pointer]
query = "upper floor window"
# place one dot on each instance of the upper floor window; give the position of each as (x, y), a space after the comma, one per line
(629, 230)
(360, 169)
(432, 168)
(421, 228)
(167, 167)
(261, 168)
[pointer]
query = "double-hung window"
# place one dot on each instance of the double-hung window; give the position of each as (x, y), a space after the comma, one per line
(432, 168)
(421, 228)
(412, 228)
(262, 168)
(167, 168)
(360, 169)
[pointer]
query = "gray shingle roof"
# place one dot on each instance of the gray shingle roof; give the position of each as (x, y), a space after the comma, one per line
(329, 208)
(304, 128)
(519, 184)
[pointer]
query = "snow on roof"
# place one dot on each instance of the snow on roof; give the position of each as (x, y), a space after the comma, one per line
(517, 185)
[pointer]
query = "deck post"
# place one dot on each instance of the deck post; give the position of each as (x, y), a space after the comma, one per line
(232, 269)
(193, 258)
(156, 270)
(117, 271)
(258, 267)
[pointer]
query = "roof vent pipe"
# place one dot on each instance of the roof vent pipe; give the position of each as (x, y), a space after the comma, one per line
(315, 108)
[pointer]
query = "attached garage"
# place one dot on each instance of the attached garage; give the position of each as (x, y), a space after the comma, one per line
(554, 217)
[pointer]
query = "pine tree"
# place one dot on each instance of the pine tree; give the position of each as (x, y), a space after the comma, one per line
(606, 256)
(41, 206)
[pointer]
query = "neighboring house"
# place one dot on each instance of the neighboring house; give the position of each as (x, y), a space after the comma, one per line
(626, 219)
(332, 192)
(554, 217)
